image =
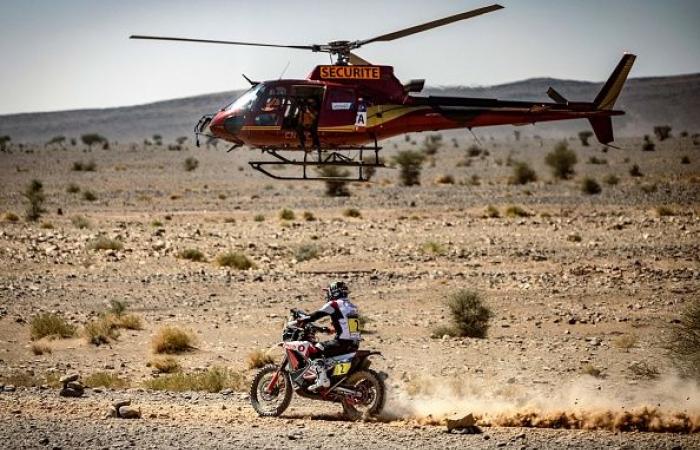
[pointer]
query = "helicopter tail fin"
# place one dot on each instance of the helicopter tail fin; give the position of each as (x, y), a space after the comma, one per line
(611, 90)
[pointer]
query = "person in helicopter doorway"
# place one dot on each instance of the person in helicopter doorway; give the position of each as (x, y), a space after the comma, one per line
(308, 122)
(345, 318)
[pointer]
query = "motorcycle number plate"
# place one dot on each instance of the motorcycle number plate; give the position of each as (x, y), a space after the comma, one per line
(354, 325)
(341, 369)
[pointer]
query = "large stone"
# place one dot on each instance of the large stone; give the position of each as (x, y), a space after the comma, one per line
(76, 385)
(462, 424)
(119, 403)
(70, 392)
(65, 379)
(129, 412)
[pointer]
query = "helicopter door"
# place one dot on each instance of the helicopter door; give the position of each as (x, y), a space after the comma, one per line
(339, 108)
(303, 102)
(270, 107)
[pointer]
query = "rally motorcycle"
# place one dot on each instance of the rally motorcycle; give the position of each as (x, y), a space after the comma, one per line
(358, 388)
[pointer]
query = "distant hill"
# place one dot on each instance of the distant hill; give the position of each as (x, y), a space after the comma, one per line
(673, 100)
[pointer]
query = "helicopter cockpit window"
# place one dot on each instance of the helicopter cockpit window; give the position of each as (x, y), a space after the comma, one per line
(271, 103)
(246, 100)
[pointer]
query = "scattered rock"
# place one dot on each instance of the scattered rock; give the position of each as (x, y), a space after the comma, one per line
(65, 379)
(129, 412)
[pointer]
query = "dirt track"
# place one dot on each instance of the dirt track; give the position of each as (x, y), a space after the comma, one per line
(561, 302)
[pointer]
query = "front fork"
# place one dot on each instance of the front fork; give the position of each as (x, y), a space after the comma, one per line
(275, 378)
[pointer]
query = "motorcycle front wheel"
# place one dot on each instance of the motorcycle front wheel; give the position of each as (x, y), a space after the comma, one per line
(276, 401)
(372, 394)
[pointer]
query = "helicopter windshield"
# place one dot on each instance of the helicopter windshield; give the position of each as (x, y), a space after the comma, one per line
(246, 100)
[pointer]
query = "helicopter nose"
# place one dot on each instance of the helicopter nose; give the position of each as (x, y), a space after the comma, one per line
(226, 126)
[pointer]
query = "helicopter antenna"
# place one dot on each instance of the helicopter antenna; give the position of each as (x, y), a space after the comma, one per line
(475, 137)
(284, 70)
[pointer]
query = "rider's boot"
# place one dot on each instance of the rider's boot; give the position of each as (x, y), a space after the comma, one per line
(322, 380)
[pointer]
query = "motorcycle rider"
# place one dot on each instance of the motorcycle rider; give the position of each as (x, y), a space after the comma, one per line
(345, 318)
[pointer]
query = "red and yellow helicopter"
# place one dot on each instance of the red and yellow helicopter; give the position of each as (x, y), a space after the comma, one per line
(341, 111)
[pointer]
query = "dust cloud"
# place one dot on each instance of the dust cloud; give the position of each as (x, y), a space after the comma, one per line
(669, 404)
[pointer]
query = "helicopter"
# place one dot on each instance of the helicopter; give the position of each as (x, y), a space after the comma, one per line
(340, 113)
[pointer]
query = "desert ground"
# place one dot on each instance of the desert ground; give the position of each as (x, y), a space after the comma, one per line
(584, 290)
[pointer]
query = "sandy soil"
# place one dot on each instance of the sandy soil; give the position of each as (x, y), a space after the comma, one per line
(565, 284)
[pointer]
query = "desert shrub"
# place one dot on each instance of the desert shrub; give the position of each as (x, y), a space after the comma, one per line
(584, 136)
(445, 179)
(164, 364)
(335, 185)
(352, 212)
(611, 180)
(685, 159)
(155, 223)
(56, 140)
(211, 380)
(473, 151)
(562, 160)
(635, 172)
(117, 307)
(258, 358)
(34, 195)
(106, 380)
(192, 254)
(171, 340)
(648, 145)
(591, 370)
(41, 348)
(648, 188)
(190, 164)
(432, 143)
(100, 331)
(590, 186)
(72, 188)
(10, 217)
(309, 216)
(474, 180)
(433, 248)
(662, 132)
(410, 163)
(287, 214)
(105, 243)
(643, 370)
(236, 260)
(306, 252)
(4, 140)
(664, 211)
(50, 325)
(625, 341)
(574, 237)
(47, 225)
(80, 222)
(516, 211)
(470, 317)
(443, 330)
(259, 218)
(91, 139)
(522, 173)
(492, 212)
(89, 196)
(684, 344)
(597, 161)
(79, 166)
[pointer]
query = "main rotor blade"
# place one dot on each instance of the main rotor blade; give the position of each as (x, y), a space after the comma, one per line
(209, 41)
(434, 24)
(357, 61)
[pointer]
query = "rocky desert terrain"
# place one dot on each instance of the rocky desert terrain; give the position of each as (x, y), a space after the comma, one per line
(584, 290)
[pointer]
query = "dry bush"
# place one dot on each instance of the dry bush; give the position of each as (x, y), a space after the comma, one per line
(597, 161)
(309, 216)
(258, 358)
(470, 317)
(611, 180)
(79, 166)
(664, 211)
(662, 132)
(190, 164)
(590, 369)
(335, 186)
(172, 340)
(410, 163)
(649, 188)
(41, 348)
(34, 195)
(105, 380)
(643, 370)
(164, 364)
(433, 248)
(584, 136)
(442, 331)
(574, 237)
(11, 217)
(522, 174)
(445, 179)
(625, 342)
(46, 225)
(212, 380)
(590, 186)
(287, 214)
(236, 260)
(50, 325)
(128, 322)
(562, 161)
(105, 243)
(80, 222)
(192, 254)
(635, 172)
(72, 188)
(89, 196)
(685, 159)
(516, 211)
(684, 345)
(259, 218)
(352, 212)
(100, 331)
(306, 252)
(492, 212)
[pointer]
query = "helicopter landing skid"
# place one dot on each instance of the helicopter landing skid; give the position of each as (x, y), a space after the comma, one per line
(323, 158)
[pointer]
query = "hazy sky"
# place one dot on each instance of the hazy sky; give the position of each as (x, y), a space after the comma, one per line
(68, 54)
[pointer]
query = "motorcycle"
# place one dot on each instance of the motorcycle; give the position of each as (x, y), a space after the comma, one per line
(359, 389)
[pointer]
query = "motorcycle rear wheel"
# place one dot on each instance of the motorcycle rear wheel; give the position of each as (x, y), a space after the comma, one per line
(374, 391)
(270, 404)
